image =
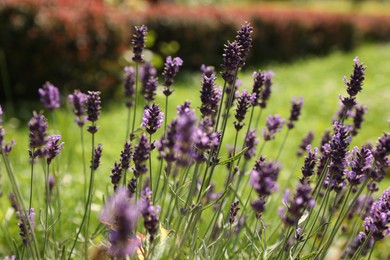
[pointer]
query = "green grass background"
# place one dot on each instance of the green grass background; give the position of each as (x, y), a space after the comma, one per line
(317, 80)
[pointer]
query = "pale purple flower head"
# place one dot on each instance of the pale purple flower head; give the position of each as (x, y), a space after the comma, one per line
(93, 109)
(126, 155)
(251, 141)
(266, 91)
(152, 119)
(354, 85)
(120, 214)
(258, 206)
(244, 101)
(209, 95)
(358, 118)
(150, 88)
(53, 147)
(305, 142)
(49, 96)
(208, 71)
(273, 125)
(149, 81)
(360, 162)
(97, 154)
(244, 38)
(116, 175)
(264, 176)
(258, 83)
(138, 42)
(356, 243)
(310, 162)
(171, 68)
(79, 100)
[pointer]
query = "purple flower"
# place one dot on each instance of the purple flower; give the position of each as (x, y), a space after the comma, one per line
(243, 103)
(360, 163)
(52, 148)
(209, 95)
(78, 100)
(305, 142)
(274, 124)
(338, 151)
(129, 85)
(116, 175)
(93, 109)
(120, 214)
(171, 68)
(302, 200)
(126, 156)
(185, 136)
(266, 91)
(49, 96)
(167, 143)
(204, 142)
(354, 85)
(141, 155)
(12, 257)
(310, 162)
(138, 42)
(258, 206)
(378, 222)
(152, 119)
(264, 176)
(150, 88)
(258, 83)
(37, 126)
(251, 141)
(295, 112)
(361, 207)
(244, 39)
(232, 60)
(26, 226)
(7, 148)
(147, 71)
(132, 187)
(207, 71)
(149, 212)
(233, 212)
(358, 119)
(97, 154)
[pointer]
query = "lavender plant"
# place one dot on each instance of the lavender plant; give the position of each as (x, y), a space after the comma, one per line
(177, 192)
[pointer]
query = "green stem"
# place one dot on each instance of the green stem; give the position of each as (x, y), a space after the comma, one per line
(282, 146)
(31, 178)
(46, 209)
(136, 97)
(150, 167)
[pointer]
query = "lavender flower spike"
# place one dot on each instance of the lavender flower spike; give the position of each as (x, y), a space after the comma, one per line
(93, 109)
(264, 176)
(266, 92)
(129, 85)
(171, 68)
(53, 148)
(233, 212)
(149, 212)
(243, 103)
(251, 142)
(49, 96)
(232, 60)
(244, 38)
(37, 126)
(273, 125)
(120, 214)
(97, 154)
(141, 155)
(258, 83)
(138, 42)
(209, 95)
(152, 119)
(295, 112)
(305, 142)
(78, 100)
(354, 85)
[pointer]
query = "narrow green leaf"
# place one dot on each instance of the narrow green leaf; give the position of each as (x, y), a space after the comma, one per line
(233, 158)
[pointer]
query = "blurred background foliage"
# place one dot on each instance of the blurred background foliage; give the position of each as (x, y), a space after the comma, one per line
(84, 44)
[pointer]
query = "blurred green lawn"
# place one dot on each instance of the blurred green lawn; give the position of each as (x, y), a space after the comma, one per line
(317, 80)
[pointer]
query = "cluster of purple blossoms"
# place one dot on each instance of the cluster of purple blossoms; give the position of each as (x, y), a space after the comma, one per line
(244, 38)
(149, 81)
(208, 71)
(266, 91)
(141, 155)
(185, 135)
(354, 85)
(167, 143)
(233, 212)
(258, 83)
(129, 83)
(232, 60)
(263, 179)
(310, 162)
(356, 243)
(138, 42)
(26, 226)
(7, 148)
(338, 151)
(120, 214)
(49, 96)
(295, 112)
(360, 163)
(52, 148)
(381, 153)
(152, 119)
(97, 154)
(377, 224)
(244, 101)
(204, 142)
(251, 142)
(116, 175)
(126, 155)
(79, 100)
(171, 68)
(307, 140)
(361, 207)
(93, 109)
(38, 136)
(358, 119)
(302, 200)
(209, 95)
(149, 213)
(132, 187)
(274, 124)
